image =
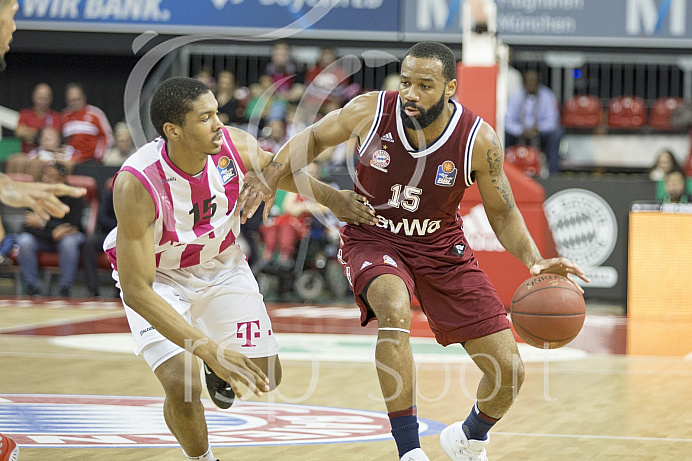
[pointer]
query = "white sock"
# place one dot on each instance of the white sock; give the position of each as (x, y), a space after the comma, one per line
(208, 456)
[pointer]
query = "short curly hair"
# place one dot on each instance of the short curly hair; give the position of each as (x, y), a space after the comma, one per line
(436, 50)
(173, 99)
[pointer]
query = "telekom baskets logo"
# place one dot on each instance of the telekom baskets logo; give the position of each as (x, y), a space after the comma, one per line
(87, 421)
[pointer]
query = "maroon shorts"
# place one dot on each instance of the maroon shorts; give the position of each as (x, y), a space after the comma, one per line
(456, 296)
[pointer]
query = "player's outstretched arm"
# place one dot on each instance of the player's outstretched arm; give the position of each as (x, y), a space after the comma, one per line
(338, 126)
(503, 214)
(135, 211)
(346, 205)
(40, 197)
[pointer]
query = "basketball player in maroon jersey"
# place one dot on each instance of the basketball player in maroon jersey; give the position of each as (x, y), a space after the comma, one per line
(419, 151)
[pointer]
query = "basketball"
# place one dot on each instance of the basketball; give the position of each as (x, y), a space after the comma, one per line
(548, 311)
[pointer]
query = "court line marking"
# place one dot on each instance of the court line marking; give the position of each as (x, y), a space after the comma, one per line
(608, 437)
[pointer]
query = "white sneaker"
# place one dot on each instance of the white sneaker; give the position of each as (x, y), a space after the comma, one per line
(459, 448)
(416, 454)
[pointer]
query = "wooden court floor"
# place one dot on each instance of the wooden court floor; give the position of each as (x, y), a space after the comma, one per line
(597, 407)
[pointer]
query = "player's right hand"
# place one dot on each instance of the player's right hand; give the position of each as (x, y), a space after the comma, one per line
(351, 208)
(238, 370)
(39, 197)
(256, 188)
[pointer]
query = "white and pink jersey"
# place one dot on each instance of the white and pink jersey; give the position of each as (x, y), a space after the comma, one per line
(194, 214)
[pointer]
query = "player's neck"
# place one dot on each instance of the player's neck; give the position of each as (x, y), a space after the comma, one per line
(186, 161)
(420, 139)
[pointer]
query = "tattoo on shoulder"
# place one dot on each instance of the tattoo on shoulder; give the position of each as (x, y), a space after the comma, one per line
(497, 175)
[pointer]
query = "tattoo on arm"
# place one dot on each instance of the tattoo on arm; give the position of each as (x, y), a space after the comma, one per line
(497, 176)
(276, 165)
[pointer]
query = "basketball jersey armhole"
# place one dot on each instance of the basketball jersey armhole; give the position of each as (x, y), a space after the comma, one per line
(468, 153)
(147, 185)
(375, 123)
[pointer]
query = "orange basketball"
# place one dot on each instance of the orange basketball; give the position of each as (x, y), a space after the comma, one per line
(548, 311)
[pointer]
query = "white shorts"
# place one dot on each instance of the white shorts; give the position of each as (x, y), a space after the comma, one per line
(220, 298)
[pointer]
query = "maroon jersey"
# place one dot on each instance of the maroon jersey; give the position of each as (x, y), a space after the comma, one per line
(416, 193)
(418, 237)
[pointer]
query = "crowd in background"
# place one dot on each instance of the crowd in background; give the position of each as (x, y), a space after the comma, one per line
(286, 98)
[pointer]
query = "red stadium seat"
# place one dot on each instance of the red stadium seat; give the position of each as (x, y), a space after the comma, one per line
(583, 111)
(526, 158)
(659, 116)
(626, 112)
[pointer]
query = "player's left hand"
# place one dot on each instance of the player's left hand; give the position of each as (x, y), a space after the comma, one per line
(256, 189)
(351, 208)
(559, 266)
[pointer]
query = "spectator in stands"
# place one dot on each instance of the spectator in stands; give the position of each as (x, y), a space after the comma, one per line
(665, 163)
(63, 235)
(49, 150)
(86, 127)
(8, 243)
(275, 136)
(327, 80)
(285, 72)
(264, 104)
(93, 244)
(40, 115)
(533, 118)
(676, 187)
(123, 147)
(206, 76)
(282, 232)
(230, 112)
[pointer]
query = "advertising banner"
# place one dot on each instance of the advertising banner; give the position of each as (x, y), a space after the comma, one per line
(588, 219)
(321, 18)
(636, 23)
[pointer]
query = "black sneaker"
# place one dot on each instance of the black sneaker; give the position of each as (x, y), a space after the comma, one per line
(219, 390)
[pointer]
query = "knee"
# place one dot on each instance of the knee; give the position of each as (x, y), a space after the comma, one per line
(183, 394)
(507, 372)
(391, 305)
(27, 242)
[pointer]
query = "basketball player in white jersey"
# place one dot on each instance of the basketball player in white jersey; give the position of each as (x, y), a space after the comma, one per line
(184, 282)
(419, 151)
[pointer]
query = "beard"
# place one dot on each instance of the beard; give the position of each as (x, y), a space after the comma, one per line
(424, 117)
(3, 64)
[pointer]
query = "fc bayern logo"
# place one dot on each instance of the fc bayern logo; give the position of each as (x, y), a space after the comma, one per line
(380, 160)
(81, 421)
(584, 226)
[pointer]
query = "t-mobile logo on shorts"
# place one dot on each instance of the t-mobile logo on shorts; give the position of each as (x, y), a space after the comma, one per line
(245, 330)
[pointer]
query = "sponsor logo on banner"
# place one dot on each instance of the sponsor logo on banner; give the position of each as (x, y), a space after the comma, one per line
(227, 169)
(585, 231)
(380, 160)
(446, 174)
(80, 421)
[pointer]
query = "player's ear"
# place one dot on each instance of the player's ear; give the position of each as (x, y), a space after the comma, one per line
(172, 130)
(451, 88)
